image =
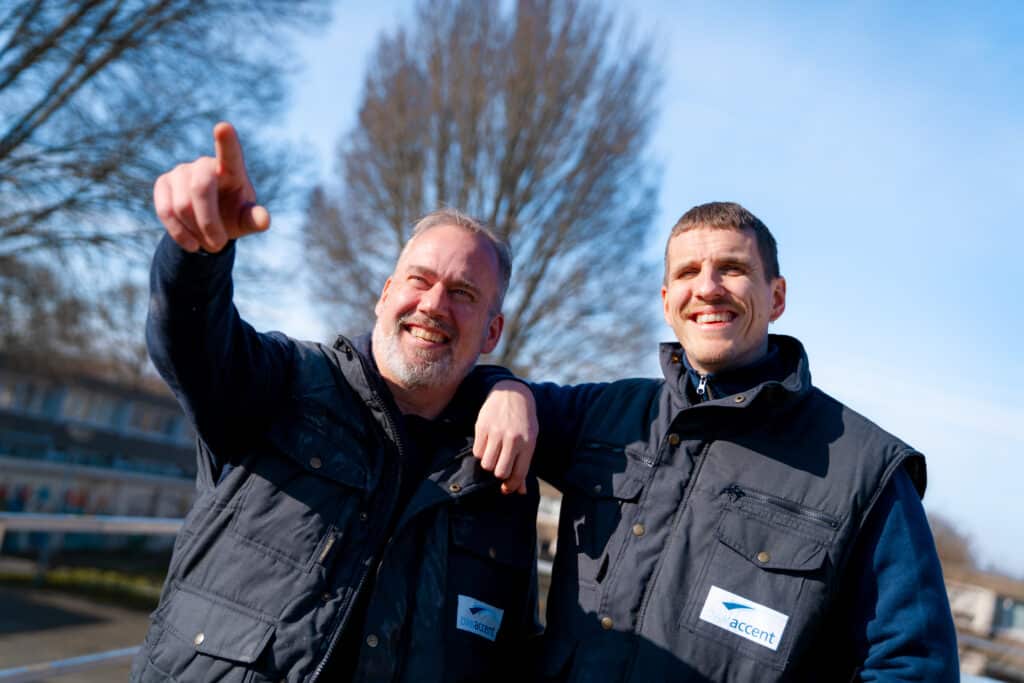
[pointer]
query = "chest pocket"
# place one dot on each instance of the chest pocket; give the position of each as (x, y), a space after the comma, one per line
(302, 497)
(491, 600)
(602, 485)
(766, 578)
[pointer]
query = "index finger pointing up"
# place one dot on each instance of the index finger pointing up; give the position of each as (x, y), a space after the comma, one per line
(230, 161)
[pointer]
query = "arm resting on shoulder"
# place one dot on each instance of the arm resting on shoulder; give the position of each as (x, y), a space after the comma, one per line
(561, 413)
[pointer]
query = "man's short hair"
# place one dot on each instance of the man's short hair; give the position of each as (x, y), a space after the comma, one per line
(730, 216)
(502, 252)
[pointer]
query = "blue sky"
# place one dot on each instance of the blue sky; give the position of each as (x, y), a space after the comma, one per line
(884, 146)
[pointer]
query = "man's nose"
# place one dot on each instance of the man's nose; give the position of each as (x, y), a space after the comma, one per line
(708, 284)
(434, 300)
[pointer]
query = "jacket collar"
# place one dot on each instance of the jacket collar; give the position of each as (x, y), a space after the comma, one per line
(784, 374)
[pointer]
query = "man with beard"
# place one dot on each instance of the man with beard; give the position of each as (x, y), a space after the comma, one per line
(732, 522)
(342, 528)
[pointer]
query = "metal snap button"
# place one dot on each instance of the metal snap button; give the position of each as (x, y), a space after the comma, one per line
(598, 488)
(763, 556)
(198, 640)
(639, 530)
(372, 640)
(673, 439)
(455, 488)
(607, 623)
(363, 516)
(315, 463)
(492, 553)
(740, 398)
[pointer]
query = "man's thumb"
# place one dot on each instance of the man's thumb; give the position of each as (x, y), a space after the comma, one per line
(253, 218)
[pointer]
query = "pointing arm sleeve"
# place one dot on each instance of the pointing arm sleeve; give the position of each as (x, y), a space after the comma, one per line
(225, 375)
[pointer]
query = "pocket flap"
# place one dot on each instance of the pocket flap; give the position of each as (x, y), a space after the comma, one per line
(770, 547)
(606, 473)
(216, 627)
(489, 538)
(304, 441)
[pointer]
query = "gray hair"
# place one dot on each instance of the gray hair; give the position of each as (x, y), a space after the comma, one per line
(449, 216)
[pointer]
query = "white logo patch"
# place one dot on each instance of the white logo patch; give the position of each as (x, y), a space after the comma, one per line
(745, 618)
(478, 617)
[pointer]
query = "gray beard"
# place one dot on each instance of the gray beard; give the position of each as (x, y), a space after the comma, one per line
(421, 372)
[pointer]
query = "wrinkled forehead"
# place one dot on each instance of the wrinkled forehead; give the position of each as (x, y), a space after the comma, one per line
(454, 253)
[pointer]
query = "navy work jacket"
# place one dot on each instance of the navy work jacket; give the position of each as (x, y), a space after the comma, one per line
(711, 540)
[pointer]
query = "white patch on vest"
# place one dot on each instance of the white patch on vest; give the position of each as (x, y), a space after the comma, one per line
(478, 617)
(743, 617)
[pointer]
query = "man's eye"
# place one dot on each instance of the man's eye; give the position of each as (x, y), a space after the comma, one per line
(462, 294)
(687, 273)
(417, 280)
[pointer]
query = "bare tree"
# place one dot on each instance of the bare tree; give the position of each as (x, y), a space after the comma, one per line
(534, 118)
(97, 97)
(47, 322)
(954, 547)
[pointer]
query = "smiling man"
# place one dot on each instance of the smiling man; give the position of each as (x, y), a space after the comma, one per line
(732, 522)
(427, 337)
(342, 529)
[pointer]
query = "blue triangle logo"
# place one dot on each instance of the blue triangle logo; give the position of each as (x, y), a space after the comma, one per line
(736, 605)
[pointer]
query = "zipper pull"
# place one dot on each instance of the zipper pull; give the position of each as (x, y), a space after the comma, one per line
(702, 388)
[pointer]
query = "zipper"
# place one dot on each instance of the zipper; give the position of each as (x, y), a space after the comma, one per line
(736, 493)
(375, 565)
(702, 388)
(675, 526)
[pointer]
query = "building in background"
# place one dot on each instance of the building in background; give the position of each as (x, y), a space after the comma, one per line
(76, 438)
(988, 610)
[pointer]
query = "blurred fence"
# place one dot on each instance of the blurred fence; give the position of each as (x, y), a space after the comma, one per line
(92, 524)
(105, 524)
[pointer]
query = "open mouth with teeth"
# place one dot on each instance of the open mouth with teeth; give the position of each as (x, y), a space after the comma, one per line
(430, 337)
(713, 318)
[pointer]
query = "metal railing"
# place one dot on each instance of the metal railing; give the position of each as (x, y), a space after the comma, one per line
(106, 524)
(38, 672)
(89, 524)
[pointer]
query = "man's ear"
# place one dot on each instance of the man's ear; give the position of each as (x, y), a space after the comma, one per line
(383, 296)
(778, 297)
(494, 329)
(664, 305)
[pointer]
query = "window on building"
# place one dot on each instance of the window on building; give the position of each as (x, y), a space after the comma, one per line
(103, 409)
(153, 419)
(1009, 617)
(23, 394)
(7, 384)
(33, 396)
(77, 404)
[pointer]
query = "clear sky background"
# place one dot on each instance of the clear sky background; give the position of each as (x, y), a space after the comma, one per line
(883, 144)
